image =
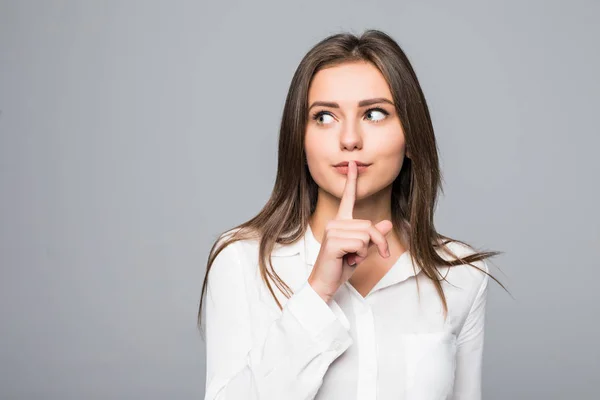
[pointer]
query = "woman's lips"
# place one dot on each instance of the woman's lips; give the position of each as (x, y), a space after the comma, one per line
(344, 169)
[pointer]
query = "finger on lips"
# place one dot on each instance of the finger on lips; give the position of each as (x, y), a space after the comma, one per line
(349, 195)
(346, 211)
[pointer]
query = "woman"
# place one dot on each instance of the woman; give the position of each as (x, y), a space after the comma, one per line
(341, 288)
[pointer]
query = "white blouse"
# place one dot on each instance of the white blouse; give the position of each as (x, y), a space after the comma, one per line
(391, 344)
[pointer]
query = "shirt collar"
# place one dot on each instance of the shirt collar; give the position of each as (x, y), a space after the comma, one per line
(283, 250)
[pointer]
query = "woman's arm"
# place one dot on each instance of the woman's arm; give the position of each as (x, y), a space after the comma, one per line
(467, 383)
(289, 362)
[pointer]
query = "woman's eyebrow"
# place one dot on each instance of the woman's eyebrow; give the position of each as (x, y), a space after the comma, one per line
(361, 103)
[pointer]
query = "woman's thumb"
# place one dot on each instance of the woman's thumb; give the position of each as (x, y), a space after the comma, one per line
(384, 226)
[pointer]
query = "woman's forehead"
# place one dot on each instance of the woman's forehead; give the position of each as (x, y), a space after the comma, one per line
(347, 84)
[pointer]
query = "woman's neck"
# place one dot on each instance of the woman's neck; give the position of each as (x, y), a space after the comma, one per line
(374, 208)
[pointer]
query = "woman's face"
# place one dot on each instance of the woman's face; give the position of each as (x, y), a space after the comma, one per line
(344, 130)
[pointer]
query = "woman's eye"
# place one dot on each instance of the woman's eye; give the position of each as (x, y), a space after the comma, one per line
(377, 111)
(318, 117)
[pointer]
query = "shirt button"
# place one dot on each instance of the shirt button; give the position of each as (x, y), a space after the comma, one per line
(337, 345)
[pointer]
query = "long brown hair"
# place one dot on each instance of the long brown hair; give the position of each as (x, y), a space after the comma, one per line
(285, 216)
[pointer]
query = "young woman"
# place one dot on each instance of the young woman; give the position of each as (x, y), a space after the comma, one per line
(341, 288)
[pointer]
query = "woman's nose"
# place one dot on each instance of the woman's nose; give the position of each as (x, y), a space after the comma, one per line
(351, 137)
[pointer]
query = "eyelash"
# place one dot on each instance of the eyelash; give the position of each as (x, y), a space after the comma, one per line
(316, 115)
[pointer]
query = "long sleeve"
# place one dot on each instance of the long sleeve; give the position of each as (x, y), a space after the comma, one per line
(289, 361)
(467, 384)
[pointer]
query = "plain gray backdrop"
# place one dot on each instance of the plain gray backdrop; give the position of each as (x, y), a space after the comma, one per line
(132, 133)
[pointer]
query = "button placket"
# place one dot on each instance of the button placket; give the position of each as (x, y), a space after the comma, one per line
(367, 355)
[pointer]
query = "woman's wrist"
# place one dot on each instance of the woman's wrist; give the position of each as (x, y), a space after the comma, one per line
(320, 291)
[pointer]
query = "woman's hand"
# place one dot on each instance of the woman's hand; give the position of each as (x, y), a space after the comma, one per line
(346, 242)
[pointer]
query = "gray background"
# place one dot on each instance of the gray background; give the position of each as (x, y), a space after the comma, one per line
(132, 133)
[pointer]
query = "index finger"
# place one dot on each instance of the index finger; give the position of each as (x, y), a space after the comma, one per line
(349, 195)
